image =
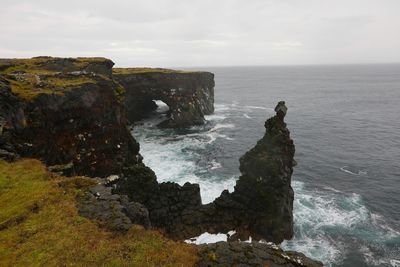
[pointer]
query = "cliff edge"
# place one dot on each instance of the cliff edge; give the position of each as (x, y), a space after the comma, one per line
(71, 113)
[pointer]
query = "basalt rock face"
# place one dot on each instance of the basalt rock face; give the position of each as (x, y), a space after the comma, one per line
(66, 112)
(260, 206)
(189, 95)
(265, 184)
(12, 119)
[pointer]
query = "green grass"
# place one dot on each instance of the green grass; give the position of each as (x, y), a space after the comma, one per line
(27, 89)
(43, 65)
(40, 226)
(32, 77)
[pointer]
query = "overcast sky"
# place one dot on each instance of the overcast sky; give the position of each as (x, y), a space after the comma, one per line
(204, 32)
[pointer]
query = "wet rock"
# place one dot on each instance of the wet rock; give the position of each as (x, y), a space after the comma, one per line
(251, 254)
(260, 206)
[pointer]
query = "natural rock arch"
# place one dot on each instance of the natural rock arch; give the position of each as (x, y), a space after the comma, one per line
(189, 95)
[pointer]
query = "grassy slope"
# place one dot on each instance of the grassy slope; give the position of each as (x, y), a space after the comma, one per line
(40, 226)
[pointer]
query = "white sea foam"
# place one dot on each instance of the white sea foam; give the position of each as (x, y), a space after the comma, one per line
(215, 117)
(221, 126)
(395, 262)
(215, 165)
(173, 157)
(210, 189)
(221, 107)
(207, 238)
(246, 116)
(359, 172)
(255, 107)
(317, 214)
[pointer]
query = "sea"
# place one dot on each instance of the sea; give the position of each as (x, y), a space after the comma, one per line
(345, 123)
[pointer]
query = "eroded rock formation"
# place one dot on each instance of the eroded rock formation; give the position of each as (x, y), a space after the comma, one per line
(261, 204)
(189, 95)
(71, 114)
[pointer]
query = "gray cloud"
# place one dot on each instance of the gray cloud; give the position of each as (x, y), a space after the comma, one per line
(206, 32)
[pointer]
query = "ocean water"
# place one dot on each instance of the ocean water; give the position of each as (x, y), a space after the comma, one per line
(345, 122)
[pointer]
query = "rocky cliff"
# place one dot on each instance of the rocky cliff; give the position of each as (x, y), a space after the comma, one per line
(72, 115)
(189, 95)
(261, 205)
(68, 113)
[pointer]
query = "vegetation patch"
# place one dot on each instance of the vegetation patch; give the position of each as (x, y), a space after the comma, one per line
(40, 226)
(48, 65)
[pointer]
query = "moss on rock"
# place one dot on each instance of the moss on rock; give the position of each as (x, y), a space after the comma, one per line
(40, 226)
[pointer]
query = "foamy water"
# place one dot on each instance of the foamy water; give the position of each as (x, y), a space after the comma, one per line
(342, 217)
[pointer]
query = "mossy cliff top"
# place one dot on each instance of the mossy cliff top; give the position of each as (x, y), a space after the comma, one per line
(40, 226)
(29, 78)
(51, 65)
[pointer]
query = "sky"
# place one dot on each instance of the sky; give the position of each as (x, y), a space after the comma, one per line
(168, 33)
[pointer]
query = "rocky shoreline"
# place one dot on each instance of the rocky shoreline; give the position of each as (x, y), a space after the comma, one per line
(73, 114)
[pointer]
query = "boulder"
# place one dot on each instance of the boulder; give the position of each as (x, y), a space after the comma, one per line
(112, 211)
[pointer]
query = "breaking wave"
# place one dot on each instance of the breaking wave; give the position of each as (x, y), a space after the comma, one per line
(328, 223)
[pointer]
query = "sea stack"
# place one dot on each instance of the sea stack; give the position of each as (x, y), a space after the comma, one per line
(265, 184)
(261, 205)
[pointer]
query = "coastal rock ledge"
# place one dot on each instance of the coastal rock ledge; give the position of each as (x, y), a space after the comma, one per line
(73, 115)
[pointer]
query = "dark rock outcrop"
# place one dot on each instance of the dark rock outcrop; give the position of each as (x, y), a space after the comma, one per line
(251, 254)
(12, 119)
(71, 114)
(62, 112)
(260, 206)
(189, 95)
(112, 211)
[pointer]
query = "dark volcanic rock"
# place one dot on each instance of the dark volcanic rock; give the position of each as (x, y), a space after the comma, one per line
(12, 120)
(260, 206)
(189, 95)
(60, 111)
(112, 211)
(265, 184)
(251, 254)
(71, 114)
